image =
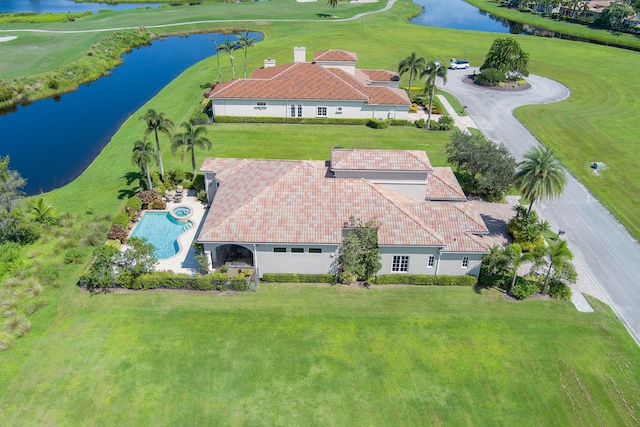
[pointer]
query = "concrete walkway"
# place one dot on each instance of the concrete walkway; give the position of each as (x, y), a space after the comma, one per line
(605, 253)
(461, 122)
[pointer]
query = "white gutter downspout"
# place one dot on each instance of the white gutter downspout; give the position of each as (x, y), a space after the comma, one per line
(438, 264)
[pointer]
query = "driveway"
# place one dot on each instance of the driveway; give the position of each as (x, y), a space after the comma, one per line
(604, 250)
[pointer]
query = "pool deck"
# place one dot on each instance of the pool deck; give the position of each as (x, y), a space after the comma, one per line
(185, 260)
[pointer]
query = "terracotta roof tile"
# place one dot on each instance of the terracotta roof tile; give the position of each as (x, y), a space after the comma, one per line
(443, 185)
(275, 201)
(380, 160)
(381, 75)
(376, 94)
(335, 55)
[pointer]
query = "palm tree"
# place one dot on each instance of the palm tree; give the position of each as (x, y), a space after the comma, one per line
(190, 139)
(559, 259)
(157, 122)
(431, 71)
(41, 210)
(141, 156)
(244, 43)
(412, 64)
(516, 258)
(217, 56)
(333, 4)
(540, 175)
(230, 46)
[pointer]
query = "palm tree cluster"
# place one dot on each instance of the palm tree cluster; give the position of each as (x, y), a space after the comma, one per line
(507, 57)
(243, 42)
(144, 154)
(429, 70)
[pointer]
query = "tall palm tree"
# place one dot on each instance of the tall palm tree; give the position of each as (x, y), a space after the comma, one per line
(141, 156)
(217, 56)
(559, 259)
(190, 139)
(431, 71)
(333, 4)
(540, 175)
(157, 122)
(229, 47)
(413, 65)
(244, 43)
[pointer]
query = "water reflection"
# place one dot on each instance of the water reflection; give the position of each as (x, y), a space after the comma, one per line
(457, 14)
(63, 6)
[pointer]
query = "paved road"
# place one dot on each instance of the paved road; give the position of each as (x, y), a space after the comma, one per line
(603, 248)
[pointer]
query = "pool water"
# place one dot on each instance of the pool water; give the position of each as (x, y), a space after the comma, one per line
(181, 211)
(162, 231)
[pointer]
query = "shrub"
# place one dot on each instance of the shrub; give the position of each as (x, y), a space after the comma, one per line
(239, 283)
(414, 108)
(53, 84)
(147, 197)
(378, 124)
(169, 280)
(158, 204)
(6, 340)
(117, 232)
(445, 122)
(176, 176)
(6, 94)
(420, 123)
(121, 219)
(72, 255)
(132, 205)
(202, 196)
(298, 278)
(559, 290)
(434, 125)
(291, 120)
(399, 122)
(203, 263)
(490, 77)
(48, 274)
(199, 118)
(426, 279)
(524, 288)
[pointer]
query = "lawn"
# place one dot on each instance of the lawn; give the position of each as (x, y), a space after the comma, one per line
(322, 355)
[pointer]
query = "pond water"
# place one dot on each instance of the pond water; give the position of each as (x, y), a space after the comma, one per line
(52, 141)
(62, 6)
(460, 15)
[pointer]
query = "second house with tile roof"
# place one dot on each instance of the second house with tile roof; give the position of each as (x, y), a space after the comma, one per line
(328, 87)
(288, 216)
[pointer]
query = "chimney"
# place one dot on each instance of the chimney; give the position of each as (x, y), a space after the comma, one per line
(269, 63)
(299, 54)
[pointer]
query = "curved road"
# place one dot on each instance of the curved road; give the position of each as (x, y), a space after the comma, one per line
(604, 250)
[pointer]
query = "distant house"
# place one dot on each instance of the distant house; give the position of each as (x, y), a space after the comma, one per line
(329, 87)
(289, 215)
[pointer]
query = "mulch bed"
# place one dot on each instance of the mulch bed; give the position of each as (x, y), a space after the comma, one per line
(510, 87)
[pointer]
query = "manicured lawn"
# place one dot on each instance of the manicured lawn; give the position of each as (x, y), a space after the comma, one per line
(321, 355)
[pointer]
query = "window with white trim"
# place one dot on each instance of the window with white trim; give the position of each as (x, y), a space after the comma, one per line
(293, 110)
(465, 262)
(299, 110)
(431, 261)
(400, 263)
(321, 112)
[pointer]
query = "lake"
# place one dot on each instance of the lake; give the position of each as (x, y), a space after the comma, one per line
(457, 14)
(63, 6)
(52, 141)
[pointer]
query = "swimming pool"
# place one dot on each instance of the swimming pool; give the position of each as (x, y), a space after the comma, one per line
(162, 231)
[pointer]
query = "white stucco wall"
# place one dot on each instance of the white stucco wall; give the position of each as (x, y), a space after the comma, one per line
(282, 108)
(290, 262)
(418, 259)
(451, 264)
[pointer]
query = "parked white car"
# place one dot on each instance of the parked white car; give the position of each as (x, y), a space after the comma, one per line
(458, 64)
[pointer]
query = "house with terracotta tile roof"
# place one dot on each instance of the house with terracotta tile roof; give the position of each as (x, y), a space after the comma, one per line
(328, 87)
(289, 216)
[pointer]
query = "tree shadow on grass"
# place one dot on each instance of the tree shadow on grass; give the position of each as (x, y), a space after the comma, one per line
(323, 15)
(131, 177)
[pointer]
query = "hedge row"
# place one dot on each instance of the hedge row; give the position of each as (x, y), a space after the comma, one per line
(169, 280)
(298, 278)
(425, 279)
(302, 121)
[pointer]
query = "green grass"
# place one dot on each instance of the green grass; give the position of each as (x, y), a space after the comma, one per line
(321, 355)
(577, 30)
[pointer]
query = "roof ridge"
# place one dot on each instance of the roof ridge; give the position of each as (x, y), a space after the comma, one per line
(411, 216)
(346, 82)
(231, 83)
(455, 190)
(412, 154)
(463, 210)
